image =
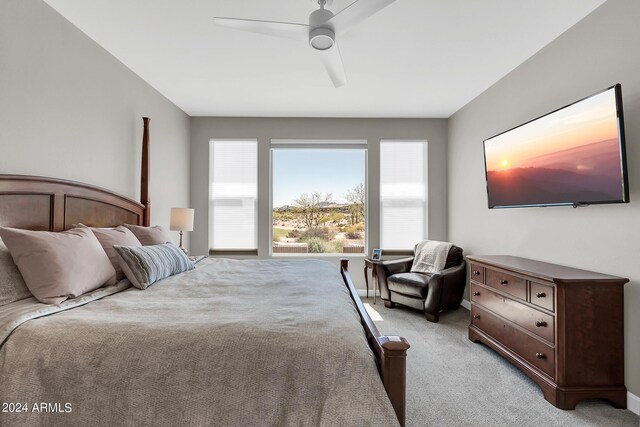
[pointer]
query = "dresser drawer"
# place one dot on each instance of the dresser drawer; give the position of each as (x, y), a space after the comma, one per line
(530, 349)
(542, 296)
(541, 324)
(506, 283)
(476, 272)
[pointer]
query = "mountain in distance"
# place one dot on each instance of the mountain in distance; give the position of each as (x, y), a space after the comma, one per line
(531, 186)
(323, 205)
(598, 158)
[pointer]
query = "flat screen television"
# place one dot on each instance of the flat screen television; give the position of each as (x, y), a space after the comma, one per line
(572, 156)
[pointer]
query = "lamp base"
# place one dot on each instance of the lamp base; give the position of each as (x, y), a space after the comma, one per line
(182, 248)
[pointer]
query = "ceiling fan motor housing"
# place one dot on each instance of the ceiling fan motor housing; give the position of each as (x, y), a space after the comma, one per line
(322, 35)
(327, 3)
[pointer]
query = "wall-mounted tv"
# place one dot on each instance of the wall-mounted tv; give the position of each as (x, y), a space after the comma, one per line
(572, 156)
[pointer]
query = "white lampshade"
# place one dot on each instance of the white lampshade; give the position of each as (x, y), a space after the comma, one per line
(181, 219)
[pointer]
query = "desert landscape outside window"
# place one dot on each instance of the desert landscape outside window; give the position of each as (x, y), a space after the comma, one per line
(319, 199)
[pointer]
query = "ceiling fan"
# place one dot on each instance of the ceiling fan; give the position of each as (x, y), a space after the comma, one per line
(320, 33)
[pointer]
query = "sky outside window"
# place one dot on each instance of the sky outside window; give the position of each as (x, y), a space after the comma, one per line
(299, 171)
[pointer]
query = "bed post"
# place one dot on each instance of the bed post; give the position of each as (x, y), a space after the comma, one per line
(394, 372)
(144, 177)
(390, 351)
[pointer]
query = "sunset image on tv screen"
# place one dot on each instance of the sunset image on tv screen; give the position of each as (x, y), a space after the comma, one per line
(569, 156)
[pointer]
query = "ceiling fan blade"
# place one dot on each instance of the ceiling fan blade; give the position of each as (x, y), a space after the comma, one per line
(333, 63)
(355, 13)
(278, 29)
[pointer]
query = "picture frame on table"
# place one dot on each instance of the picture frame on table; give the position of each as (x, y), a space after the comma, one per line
(376, 255)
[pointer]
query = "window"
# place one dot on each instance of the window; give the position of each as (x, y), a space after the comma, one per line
(233, 175)
(403, 194)
(318, 197)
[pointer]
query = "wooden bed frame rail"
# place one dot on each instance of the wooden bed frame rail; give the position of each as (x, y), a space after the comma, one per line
(390, 351)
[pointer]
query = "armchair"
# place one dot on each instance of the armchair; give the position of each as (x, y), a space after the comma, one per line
(432, 293)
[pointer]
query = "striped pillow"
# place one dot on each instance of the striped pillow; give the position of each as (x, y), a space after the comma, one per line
(145, 265)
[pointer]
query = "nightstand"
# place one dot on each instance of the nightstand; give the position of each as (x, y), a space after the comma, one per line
(371, 264)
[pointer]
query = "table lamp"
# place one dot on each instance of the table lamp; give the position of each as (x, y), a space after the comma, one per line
(181, 220)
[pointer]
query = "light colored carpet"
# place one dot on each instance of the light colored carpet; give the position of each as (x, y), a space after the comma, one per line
(454, 382)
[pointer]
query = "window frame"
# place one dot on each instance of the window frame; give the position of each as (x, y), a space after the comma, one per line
(326, 144)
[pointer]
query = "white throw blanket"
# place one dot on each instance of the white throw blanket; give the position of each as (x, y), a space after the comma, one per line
(430, 256)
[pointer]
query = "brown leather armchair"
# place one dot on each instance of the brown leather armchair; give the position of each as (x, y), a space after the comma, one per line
(432, 293)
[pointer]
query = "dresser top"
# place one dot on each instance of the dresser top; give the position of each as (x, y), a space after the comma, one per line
(543, 270)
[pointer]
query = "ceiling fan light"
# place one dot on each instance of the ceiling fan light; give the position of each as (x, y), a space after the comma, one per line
(321, 38)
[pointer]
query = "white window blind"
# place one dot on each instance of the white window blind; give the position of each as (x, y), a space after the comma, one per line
(233, 175)
(403, 194)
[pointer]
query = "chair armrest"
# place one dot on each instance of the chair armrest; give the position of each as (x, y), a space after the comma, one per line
(395, 266)
(455, 280)
(449, 276)
(457, 270)
(444, 290)
(442, 277)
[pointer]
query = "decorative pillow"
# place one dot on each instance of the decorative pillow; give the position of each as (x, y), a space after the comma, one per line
(146, 265)
(58, 266)
(114, 236)
(12, 286)
(155, 235)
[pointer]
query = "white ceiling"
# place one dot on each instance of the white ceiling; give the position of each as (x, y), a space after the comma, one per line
(416, 58)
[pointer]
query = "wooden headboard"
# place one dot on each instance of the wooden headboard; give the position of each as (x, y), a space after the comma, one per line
(40, 203)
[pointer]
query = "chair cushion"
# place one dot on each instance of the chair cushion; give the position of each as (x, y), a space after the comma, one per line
(410, 284)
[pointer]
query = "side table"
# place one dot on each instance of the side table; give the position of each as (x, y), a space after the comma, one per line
(371, 264)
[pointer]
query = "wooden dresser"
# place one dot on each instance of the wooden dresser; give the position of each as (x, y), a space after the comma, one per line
(561, 326)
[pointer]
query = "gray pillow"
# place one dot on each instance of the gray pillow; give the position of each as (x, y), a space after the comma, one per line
(145, 265)
(113, 236)
(12, 286)
(155, 235)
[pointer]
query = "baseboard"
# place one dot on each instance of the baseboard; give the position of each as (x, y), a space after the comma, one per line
(466, 304)
(633, 403)
(363, 293)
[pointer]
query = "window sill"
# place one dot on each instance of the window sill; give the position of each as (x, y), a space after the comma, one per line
(231, 252)
(317, 255)
(397, 252)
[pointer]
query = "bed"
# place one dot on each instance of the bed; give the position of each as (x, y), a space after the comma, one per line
(251, 342)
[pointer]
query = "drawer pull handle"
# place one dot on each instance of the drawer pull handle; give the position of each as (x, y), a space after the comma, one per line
(476, 273)
(541, 295)
(541, 324)
(539, 356)
(503, 282)
(476, 293)
(476, 316)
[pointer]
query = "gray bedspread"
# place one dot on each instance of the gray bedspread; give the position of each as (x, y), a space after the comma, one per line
(231, 343)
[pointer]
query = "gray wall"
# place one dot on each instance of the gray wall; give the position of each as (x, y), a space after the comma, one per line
(69, 109)
(373, 130)
(597, 52)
